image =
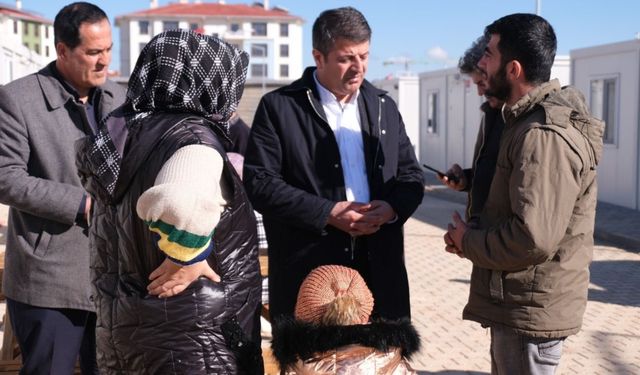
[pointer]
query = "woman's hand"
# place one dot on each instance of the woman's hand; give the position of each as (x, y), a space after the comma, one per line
(171, 278)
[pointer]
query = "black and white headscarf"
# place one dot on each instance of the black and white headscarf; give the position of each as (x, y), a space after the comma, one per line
(177, 71)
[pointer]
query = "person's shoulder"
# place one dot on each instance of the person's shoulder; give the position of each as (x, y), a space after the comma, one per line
(388, 103)
(114, 88)
(24, 84)
(298, 87)
(370, 92)
(22, 92)
(284, 94)
(277, 93)
(371, 89)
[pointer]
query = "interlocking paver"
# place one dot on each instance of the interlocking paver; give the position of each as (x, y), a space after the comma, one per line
(609, 342)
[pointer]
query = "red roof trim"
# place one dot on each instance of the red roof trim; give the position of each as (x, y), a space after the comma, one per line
(212, 10)
(15, 13)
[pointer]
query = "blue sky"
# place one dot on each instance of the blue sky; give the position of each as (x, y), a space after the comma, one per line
(434, 33)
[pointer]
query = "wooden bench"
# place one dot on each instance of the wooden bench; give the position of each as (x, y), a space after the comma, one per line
(10, 366)
(270, 364)
(10, 350)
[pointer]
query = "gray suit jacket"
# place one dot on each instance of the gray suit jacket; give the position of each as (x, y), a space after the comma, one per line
(47, 254)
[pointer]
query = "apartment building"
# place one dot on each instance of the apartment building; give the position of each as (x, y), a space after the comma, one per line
(272, 36)
(26, 44)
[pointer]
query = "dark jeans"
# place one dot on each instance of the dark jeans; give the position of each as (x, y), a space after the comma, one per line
(51, 339)
(512, 353)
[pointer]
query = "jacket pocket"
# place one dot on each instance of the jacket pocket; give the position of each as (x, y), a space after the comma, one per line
(519, 286)
(41, 243)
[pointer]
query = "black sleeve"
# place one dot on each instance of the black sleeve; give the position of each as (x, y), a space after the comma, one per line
(269, 193)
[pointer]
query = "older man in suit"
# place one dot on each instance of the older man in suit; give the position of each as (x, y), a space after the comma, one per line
(46, 277)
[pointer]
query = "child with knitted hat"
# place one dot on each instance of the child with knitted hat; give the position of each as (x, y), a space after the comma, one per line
(331, 332)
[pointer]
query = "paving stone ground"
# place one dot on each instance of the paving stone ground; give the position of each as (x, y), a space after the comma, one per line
(609, 342)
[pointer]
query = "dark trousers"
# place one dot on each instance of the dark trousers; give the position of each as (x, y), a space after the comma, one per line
(51, 339)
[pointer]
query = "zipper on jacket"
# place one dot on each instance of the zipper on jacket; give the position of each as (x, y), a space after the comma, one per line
(379, 114)
(352, 238)
(315, 109)
(379, 145)
(353, 247)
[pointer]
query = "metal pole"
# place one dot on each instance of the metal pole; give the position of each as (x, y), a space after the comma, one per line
(538, 7)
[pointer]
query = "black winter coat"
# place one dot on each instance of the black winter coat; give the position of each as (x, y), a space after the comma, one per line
(293, 176)
(210, 328)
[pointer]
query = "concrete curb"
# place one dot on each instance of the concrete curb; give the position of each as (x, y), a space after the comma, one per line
(620, 240)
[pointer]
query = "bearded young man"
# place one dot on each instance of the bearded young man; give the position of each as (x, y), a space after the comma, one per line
(533, 243)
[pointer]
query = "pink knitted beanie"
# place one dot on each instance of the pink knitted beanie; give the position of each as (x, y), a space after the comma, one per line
(324, 284)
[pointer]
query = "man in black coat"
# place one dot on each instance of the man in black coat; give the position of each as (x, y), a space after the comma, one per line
(330, 167)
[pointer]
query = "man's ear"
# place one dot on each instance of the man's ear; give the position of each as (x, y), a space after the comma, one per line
(515, 70)
(61, 50)
(318, 57)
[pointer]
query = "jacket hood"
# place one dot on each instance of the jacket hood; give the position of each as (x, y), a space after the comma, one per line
(563, 107)
(530, 100)
(568, 106)
(294, 339)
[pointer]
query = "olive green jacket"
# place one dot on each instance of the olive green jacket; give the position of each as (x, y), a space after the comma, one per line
(532, 249)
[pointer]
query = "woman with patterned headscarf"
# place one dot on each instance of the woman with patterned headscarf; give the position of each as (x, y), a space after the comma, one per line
(174, 264)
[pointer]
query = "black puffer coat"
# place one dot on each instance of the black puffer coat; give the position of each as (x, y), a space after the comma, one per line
(210, 328)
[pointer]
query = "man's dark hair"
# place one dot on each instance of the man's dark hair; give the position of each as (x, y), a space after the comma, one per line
(528, 38)
(341, 23)
(66, 26)
(469, 61)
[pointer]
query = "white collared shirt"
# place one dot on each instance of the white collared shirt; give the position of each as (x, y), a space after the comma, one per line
(345, 120)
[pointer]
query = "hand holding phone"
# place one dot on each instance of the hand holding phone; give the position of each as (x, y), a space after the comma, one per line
(453, 178)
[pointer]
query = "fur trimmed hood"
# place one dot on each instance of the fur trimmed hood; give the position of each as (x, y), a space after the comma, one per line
(294, 339)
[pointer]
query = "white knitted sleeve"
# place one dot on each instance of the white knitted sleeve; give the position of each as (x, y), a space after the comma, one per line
(184, 205)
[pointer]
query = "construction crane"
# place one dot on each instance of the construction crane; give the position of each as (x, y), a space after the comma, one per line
(404, 61)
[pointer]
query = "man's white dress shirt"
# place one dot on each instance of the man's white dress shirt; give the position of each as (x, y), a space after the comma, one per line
(344, 120)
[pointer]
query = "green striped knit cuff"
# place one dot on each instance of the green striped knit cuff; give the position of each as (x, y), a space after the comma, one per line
(181, 246)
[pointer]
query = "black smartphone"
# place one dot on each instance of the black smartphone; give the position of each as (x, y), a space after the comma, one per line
(451, 177)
